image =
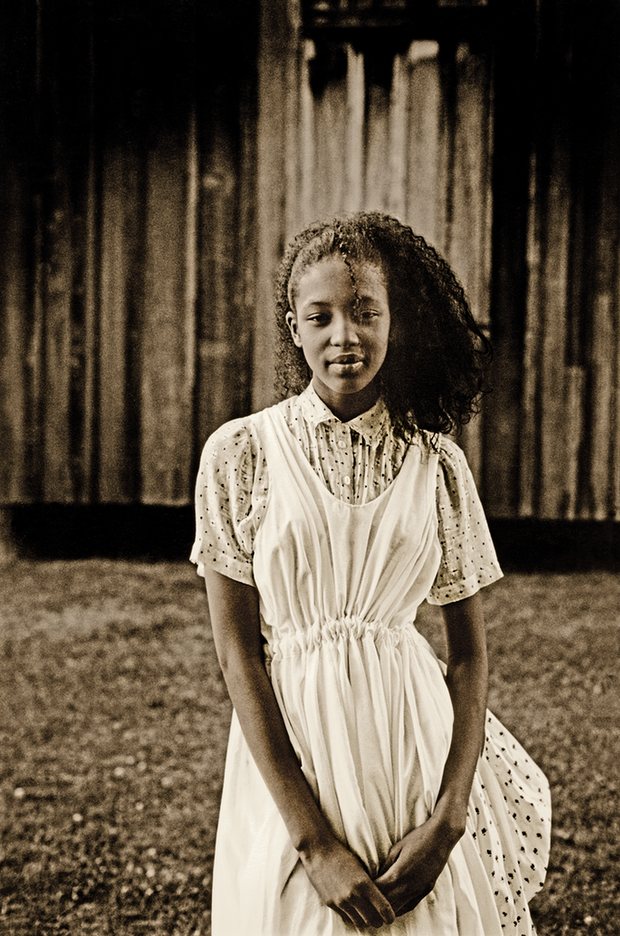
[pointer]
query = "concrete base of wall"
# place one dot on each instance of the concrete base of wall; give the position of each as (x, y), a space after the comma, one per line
(8, 547)
(166, 533)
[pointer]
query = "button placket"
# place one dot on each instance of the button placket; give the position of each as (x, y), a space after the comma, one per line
(344, 445)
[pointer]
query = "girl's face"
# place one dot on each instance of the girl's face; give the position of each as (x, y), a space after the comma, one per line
(344, 336)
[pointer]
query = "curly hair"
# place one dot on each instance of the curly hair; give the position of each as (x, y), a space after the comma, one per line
(434, 372)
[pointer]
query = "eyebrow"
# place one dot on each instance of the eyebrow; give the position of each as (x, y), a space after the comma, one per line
(326, 303)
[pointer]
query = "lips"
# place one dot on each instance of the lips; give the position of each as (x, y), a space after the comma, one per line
(347, 359)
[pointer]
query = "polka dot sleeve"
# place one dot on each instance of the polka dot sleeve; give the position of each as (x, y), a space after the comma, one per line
(226, 513)
(468, 559)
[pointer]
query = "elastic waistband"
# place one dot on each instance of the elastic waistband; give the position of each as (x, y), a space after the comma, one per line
(335, 630)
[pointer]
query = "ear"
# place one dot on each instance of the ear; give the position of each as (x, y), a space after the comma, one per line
(291, 321)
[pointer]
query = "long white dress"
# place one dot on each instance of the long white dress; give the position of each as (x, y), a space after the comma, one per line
(365, 703)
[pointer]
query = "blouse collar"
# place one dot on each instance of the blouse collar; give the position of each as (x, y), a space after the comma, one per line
(372, 425)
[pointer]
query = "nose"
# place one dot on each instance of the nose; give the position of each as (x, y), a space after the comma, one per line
(344, 332)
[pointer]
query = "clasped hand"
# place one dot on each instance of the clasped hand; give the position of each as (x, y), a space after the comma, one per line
(407, 875)
(412, 866)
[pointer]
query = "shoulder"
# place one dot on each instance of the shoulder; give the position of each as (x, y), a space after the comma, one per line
(452, 458)
(241, 435)
(455, 482)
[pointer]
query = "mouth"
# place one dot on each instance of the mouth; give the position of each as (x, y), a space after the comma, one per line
(347, 359)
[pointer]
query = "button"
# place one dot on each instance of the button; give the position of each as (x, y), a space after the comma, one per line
(342, 444)
(347, 479)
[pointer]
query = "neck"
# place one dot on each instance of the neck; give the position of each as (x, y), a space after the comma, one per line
(346, 405)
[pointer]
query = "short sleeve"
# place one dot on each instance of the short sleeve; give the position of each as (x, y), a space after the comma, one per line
(228, 501)
(468, 558)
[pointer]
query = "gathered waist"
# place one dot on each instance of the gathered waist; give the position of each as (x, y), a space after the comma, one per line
(316, 634)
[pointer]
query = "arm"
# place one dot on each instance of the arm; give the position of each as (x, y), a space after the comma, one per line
(337, 875)
(414, 864)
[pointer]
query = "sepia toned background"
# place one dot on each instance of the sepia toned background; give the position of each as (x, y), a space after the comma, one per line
(155, 164)
(155, 157)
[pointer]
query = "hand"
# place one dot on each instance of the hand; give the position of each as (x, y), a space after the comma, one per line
(344, 885)
(413, 865)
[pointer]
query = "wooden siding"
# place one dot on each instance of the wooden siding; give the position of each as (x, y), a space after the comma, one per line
(127, 266)
(409, 133)
(150, 185)
(501, 149)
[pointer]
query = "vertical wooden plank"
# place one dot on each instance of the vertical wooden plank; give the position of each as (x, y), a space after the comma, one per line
(469, 227)
(376, 182)
(86, 454)
(615, 466)
(167, 365)
(67, 247)
(513, 112)
(530, 449)
(17, 60)
(397, 138)
(221, 333)
(13, 300)
(470, 234)
(575, 380)
(596, 71)
(13, 334)
(554, 299)
(354, 138)
(307, 206)
(167, 358)
(330, 128)
(604, 338)
(546, 382)
(119, 313)
(279, 36)
(35, 358)
(292, 161)
(58, 270)
(427, 163)
(247, 215)
(120, 103)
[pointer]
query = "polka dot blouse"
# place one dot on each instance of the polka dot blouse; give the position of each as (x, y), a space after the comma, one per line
(356, 460)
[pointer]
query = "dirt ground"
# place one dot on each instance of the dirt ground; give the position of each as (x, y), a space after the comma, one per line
(113, 724)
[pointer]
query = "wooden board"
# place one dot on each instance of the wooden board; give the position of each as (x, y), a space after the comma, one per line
(17, 425)
(427, 163)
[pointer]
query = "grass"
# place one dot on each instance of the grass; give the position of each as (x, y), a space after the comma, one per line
(113, 723)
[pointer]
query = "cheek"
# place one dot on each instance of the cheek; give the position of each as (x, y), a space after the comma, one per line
(384, 339)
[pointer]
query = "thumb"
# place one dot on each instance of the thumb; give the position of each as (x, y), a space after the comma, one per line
(390, 859)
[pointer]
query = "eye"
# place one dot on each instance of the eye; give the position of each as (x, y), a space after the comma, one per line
(368, 314)
(318, 318)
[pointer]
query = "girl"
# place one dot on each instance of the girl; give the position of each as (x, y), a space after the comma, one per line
(355, 794)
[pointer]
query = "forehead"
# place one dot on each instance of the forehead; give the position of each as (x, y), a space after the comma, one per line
(332, 279)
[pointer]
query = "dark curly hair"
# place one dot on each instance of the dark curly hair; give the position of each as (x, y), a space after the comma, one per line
(434, 372)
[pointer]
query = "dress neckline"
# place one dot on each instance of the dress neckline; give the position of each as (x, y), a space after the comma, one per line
(300, 457)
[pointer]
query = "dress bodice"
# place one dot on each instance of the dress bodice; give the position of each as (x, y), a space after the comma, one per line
(326, 569)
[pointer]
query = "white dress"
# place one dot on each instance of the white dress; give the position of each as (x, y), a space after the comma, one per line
(367, 710)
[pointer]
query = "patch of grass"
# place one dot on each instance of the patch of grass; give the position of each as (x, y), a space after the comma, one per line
(113, 725)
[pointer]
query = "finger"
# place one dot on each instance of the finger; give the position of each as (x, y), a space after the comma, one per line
(390, 859)
(380, 903)
(410, 901)
(354, 916)
(406, 908)
(369, 915)
(386, 880)
(343, 914)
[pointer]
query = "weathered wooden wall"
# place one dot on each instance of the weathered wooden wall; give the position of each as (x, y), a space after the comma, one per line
(407, 132)
(127, 157)
(499, 143)
(156, 158)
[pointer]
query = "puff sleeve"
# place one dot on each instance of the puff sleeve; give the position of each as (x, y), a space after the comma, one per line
(228, 500)
(468, 558)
